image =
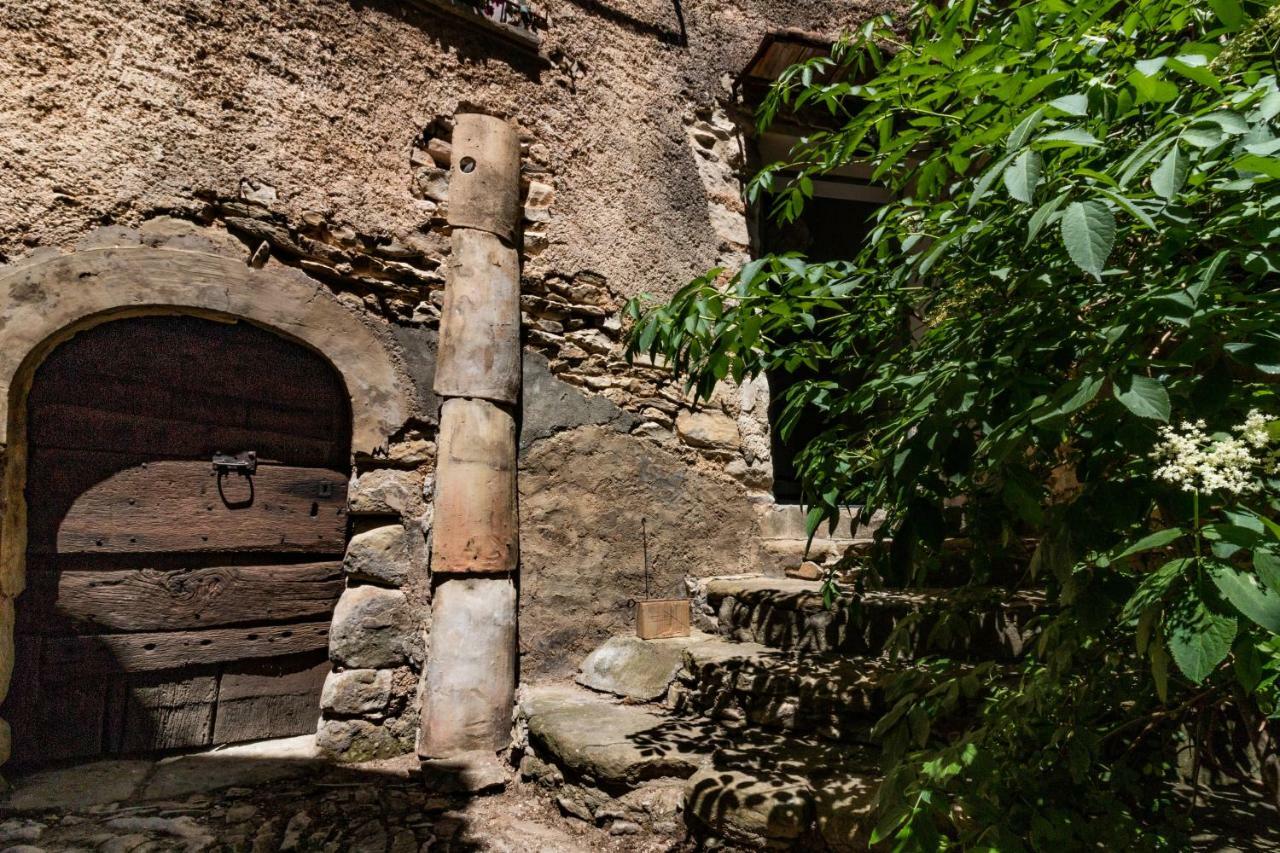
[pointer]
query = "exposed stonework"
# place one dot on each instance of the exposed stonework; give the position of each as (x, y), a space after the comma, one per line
(386, 491)
(356, 691)
(381, 555)
(634, 668)
(363, 740)
(373, 628)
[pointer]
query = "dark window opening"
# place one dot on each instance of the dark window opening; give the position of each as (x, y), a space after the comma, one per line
(829, 229)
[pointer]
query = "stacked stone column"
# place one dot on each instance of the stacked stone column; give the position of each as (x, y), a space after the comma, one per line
(471, 668)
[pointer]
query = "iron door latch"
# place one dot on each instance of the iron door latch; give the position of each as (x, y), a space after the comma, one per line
(236, 463)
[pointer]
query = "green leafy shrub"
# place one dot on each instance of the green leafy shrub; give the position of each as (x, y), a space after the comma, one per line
(1083, 247)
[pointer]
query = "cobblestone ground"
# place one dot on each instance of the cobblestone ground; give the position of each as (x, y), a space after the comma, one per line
(375, 808)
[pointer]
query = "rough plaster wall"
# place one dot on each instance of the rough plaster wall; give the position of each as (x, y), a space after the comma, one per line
(583, 494)
(112, 111)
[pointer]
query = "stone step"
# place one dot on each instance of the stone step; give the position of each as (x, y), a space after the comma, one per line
(788, 613)
(617, 764)
(745, 685)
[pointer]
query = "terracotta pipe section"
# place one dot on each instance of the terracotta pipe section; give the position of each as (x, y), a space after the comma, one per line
(469, 684)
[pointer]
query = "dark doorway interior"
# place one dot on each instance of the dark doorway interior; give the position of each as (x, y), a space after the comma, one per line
(829, 229)
(173, 602)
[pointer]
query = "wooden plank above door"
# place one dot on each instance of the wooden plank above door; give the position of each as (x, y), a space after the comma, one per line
(184, 507)
(112, 600)
(106, 653)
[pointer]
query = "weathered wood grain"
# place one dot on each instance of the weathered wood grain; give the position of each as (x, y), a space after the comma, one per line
(270, 698)
(479, 353)
(484, 184)
(168, 711)
(182, 506)
(77, 427)
(148, 652)
(175, 600)
(476, 528)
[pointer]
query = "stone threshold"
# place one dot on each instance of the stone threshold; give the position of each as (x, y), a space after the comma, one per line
(100, 783)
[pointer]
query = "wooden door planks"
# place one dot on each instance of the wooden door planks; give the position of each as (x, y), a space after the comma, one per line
(177, 599)
(183, 507)
(167, 711)
(148, 652)
(154, 618)
(269, 698)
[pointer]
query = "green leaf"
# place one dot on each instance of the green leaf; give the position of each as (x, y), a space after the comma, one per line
(1131, 208)
(988, 178)
(1143, 396)
(1041, 216)
(1230, 12)
(1076, 105)
(1071, 136)
(1249, 597)
(1269, 166)
(1089, 232)
(1193, 67)
(1023, 175)
(1022, 132)
(1203, 136)
(1199, 638)
(1160, 670)
(1171, 174)
(1264, 149)
(1154, 587)
(1152, 541)
(1267, 564)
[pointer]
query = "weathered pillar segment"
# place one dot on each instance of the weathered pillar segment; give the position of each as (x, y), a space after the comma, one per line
(475, 519)
(469, 685)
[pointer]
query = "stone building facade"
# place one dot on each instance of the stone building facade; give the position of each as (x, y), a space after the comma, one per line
(287, 165)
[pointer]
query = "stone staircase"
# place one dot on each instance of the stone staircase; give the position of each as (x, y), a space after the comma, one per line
(755, 733)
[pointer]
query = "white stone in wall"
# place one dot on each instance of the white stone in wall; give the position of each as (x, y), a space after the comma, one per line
(373, 629)
(707, 429)
(353, 692)
(385, 491)
(381, 555)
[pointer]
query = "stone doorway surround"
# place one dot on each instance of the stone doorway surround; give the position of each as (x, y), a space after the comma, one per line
(48, 300)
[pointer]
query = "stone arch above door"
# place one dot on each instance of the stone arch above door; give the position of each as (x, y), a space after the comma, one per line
(47, 301)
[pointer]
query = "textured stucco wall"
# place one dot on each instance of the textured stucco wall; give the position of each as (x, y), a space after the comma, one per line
(110, 111)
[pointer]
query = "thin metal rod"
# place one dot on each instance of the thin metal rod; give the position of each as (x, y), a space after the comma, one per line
(644, 546)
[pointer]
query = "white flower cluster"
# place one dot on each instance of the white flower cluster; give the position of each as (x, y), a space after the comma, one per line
(1198, 462)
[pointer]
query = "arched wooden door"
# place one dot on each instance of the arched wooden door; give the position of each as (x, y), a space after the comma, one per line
(177, 595)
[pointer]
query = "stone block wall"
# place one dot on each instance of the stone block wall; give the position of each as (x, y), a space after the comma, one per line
(377, 640)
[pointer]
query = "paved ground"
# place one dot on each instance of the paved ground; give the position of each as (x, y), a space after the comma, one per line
(281, 798)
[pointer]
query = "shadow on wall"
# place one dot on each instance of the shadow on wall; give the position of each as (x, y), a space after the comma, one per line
(469, 44)
(670, 31)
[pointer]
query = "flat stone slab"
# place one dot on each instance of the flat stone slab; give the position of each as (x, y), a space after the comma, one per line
(242, 765)
(742, 587)
(76, 787)
(615, 745)
(636, 668)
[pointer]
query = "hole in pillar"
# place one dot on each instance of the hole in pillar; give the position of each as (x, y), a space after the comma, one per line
(467, 164)
(315, 509)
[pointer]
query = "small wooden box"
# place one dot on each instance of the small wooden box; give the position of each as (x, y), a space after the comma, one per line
(659, 618)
